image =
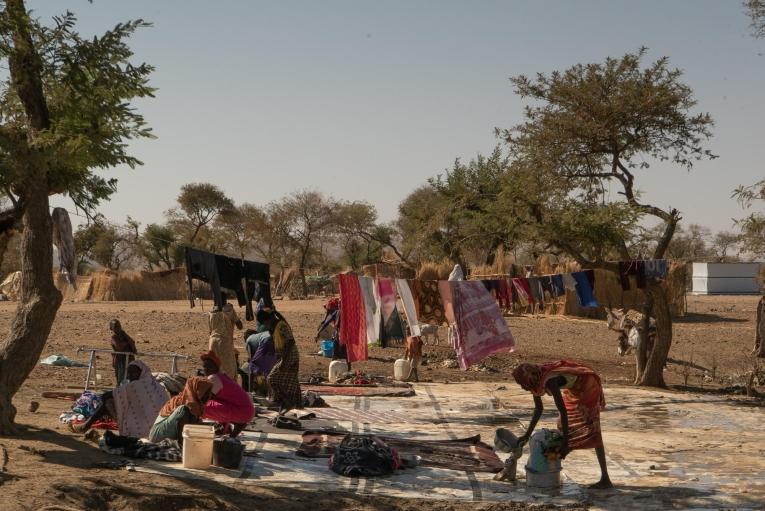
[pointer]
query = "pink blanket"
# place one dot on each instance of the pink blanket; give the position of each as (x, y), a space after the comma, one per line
(479, 328)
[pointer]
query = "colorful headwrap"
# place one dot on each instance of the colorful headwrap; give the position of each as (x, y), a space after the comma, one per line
(332, 304)
(529, 376)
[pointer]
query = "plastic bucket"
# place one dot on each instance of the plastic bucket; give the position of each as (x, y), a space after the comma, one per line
(542, 480)
(328, 348)
(401, 369)
(197, 446)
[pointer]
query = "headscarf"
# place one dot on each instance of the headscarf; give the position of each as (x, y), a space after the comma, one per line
(138, 402)
(212, 357)
(332, 304)
(529, 376)
(195, 388)
(534, 378)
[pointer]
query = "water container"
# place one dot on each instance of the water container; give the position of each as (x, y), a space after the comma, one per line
(227, 452)
(328, 348)
(197, 445)
(541, 472)
(337, 368)
(543, 480)
(401, 369)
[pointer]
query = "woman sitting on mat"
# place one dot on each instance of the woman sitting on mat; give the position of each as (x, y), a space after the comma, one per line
(134, 405)
(578, 395)
(185, 408)
(283, 383)
(229, 405)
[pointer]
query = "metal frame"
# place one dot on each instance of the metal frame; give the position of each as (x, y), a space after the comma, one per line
(126, 354)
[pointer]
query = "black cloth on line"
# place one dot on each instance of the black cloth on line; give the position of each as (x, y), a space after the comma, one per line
(248, 279)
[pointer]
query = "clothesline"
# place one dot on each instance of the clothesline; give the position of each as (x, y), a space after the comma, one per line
(368, 306)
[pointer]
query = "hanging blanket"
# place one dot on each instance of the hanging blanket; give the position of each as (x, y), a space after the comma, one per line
(371, 308)
(353, 324)
(405, 292)
(480, 330)
(465, 454)
(430, 307)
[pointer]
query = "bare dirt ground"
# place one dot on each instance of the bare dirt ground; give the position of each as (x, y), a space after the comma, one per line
(50, 468)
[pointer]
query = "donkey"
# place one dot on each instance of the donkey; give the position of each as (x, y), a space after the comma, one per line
(630, 325)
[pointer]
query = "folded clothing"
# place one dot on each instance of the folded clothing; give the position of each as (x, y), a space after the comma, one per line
(166, 450)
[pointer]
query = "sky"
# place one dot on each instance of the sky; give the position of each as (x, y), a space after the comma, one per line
(365, 100)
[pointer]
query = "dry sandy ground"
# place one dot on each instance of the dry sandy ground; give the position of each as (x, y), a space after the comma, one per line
(49, 468)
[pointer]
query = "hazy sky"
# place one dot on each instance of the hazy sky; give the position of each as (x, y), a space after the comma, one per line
(366, 100)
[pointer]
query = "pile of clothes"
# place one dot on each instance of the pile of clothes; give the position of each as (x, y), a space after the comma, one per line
(165, 450)
(83, 407)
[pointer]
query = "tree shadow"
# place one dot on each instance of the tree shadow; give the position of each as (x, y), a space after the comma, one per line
(702, 317)
(670, 497)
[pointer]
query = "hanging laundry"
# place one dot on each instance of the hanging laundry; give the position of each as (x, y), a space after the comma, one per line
(479, 328)
(547, 286)
(402, 286)
(522, 290)
(430, 308)
(627, 268)
(457, 273)
(584, 293)
(248, 279)
(656, 269)
(590, 274)
(557, 283)
(504, 294)
(202, 266)
(536, 290)
(353, 328)
(568, 281)
(371, 308)
(64, 241)
(391, 328)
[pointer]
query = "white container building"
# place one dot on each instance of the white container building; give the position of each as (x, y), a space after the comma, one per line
(726, 279)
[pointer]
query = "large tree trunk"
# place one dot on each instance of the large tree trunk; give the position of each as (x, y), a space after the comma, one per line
(641, 354)
(38, 302)
(653, 374)
(39, 299)
(759, 330)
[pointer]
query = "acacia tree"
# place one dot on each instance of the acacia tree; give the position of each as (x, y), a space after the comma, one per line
(756, 11)
(65, 111)
(357, 233)
(111, 246)
(199, 204)
(158, 247)
(753, 241)
(240, 227)
(306, 219)
(752, 226)
(599, 125)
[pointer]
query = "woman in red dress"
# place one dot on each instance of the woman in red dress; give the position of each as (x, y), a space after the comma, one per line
(578, 395)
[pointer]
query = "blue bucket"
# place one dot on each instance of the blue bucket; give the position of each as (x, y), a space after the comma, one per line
(328, 348)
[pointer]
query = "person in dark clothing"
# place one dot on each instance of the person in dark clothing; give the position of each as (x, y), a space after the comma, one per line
(121, 343)
(283, 382)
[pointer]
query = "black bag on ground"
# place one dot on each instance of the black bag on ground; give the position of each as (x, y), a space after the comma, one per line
(363, 456)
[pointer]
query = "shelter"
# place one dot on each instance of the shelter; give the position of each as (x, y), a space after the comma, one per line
(726, 279)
